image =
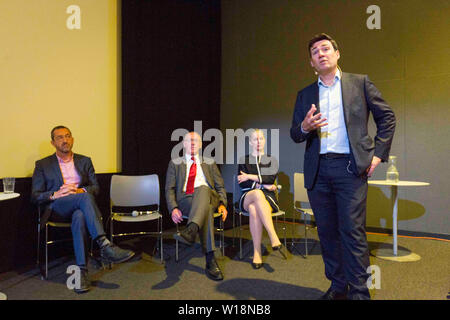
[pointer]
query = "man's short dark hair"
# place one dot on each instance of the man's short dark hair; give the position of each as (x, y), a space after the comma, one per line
(319, 37)
(52, 134)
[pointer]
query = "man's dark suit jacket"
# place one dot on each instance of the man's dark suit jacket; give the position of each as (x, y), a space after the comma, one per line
(176, 178)
(47, 178)
(359, 98)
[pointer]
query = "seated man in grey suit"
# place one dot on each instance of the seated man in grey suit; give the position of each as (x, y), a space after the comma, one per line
(195, 188)
(65, 183)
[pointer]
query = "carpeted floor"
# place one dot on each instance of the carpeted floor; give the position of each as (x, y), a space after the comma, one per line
(298, 278)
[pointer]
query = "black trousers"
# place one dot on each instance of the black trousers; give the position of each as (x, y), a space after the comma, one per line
(338, 199)
(199, 207)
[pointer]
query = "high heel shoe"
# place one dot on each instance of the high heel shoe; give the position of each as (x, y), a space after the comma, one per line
(257, 265)
(282, 249)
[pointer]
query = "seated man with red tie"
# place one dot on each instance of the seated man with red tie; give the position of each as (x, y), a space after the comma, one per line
(195, 188)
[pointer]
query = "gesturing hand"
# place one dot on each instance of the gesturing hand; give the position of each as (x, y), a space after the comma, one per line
(311, 121)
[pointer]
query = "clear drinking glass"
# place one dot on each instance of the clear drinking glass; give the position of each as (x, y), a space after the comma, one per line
(8, 184)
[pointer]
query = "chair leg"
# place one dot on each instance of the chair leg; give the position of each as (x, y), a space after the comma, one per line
(276, 224)
(111, 223)
(284, 228)
(161, 241)
(240, 236)
(293, 230)
(234, 231)
(176, 246)
(46, 252)
(223, 236)
(38, 244)
(306, 235)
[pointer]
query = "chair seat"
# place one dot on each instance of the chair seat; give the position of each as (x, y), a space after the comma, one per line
(147, 217)
(59, 224)
(276, 214)
(305, 211)
(216, 214)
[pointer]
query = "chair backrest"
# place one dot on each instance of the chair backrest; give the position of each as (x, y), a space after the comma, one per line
(300, 193)
(129, 191)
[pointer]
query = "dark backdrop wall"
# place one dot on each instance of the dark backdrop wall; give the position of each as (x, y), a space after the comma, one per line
(171, 64)
(265, 63)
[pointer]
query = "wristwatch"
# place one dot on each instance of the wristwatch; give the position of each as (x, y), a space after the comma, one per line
(52, 197)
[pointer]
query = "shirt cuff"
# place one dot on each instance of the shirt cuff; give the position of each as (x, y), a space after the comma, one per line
(303, 131)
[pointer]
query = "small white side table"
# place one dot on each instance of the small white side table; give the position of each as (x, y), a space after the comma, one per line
(7, 196)
(385, 253)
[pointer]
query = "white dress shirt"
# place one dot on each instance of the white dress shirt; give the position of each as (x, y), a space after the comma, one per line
(333, 137)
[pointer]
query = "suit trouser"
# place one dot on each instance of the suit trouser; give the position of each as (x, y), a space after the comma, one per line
(82, 211)
(338, 199)
(199, 207)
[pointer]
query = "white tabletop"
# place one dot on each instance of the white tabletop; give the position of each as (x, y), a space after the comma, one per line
(6, 196)
(398, 183)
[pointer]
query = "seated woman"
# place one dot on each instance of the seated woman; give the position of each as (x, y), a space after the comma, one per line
(258, 195)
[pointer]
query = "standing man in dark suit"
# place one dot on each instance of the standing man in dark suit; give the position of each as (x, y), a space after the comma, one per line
(331, 115)
(195, 188)
(65, 183)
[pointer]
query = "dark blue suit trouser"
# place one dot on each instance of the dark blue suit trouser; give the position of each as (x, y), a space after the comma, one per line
(82, 211)
(338, 199)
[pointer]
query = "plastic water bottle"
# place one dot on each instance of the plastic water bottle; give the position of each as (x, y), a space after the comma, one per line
(392, 172)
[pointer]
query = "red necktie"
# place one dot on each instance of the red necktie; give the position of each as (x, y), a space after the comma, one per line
(191, 179)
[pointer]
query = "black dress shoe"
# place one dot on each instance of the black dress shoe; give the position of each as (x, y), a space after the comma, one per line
(332, 294)
(257, 265)
(282, 249)
(112, 253)
(85, 283)
(213, 271)
(187, 236)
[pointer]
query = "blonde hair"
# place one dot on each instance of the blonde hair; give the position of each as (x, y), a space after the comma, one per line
(255, 130)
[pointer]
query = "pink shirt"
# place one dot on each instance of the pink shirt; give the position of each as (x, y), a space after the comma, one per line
(68, 171)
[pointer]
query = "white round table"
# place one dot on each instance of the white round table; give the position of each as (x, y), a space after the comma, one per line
(394, 255)
(7, 196)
